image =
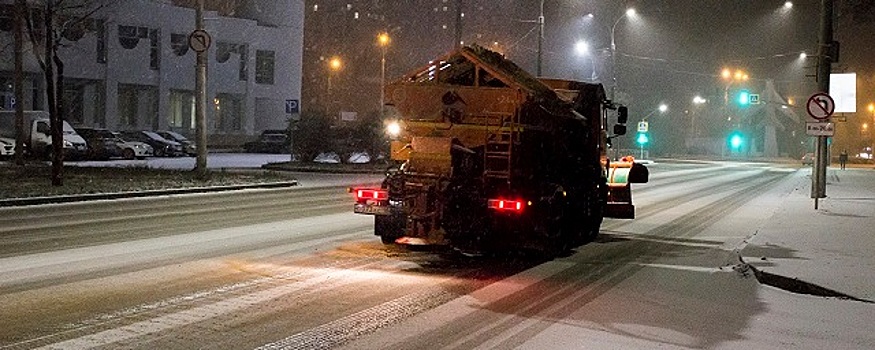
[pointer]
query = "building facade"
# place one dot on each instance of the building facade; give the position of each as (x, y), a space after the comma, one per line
(128, 71)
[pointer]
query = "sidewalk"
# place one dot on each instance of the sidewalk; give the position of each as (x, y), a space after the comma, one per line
(832, 247)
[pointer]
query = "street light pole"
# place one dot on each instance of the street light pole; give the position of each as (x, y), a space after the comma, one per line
(629, 12)
(384, 42)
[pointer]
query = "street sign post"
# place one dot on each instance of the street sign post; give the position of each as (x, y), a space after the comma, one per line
(643, 126)
(820, 129)
(820, 106)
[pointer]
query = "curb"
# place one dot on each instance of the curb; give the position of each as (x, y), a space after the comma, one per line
(119, 195)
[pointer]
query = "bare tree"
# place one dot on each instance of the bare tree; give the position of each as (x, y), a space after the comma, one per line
(47, 23)
(20, 11)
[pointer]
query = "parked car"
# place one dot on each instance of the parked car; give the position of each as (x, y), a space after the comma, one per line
(102, 144)
(187, 145)
(135, 149)
(7, 147)
(268, 143)
(161, 146)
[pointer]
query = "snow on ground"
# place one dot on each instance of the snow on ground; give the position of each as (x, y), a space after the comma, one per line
(214, 161)
(684, 301)
(833, 246)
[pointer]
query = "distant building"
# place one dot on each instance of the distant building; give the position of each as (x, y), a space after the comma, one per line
(126, 70)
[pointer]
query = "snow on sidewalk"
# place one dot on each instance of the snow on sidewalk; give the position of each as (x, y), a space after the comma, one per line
(832, 247)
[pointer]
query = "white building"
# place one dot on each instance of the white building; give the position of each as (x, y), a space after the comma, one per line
(131, 68)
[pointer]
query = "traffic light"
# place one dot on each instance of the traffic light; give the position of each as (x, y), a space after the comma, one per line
(736, 140)
(743, 97)
(642, 138)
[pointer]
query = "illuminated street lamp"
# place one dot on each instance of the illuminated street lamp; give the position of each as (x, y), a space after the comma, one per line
(334, 65)
(383, 41)
(582, 49)
(629, 13)
(661, 109)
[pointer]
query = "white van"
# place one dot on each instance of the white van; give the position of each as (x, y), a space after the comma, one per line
(38, 141)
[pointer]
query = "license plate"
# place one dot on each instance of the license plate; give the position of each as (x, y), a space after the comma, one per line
(371, 209)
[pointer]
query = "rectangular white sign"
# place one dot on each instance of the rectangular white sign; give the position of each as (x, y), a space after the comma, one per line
(643, 126)
(843, 90)
(820, 129)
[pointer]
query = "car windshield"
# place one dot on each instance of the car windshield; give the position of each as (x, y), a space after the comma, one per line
(103, 134)
(155, 136)
(173, 135)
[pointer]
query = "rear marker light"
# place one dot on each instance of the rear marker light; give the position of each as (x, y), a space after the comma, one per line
(505, 205)
(372, 194)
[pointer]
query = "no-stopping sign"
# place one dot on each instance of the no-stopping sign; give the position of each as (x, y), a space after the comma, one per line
(820, 106)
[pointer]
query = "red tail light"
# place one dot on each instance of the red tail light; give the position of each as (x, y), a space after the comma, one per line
(506, 205)
(371, 194)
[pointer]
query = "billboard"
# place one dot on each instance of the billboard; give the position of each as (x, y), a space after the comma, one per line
(843, 89)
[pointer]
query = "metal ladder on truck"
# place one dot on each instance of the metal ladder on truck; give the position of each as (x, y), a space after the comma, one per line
(500, 139)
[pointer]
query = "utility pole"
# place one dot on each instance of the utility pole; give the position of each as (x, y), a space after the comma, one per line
(540, 38)
(824, 68)
(200, 106)
(458, 37)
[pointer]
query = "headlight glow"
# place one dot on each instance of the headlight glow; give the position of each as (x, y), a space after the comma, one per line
(393, 129)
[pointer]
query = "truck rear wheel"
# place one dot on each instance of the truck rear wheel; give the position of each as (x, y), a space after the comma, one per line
(389, 227)
(593, 210)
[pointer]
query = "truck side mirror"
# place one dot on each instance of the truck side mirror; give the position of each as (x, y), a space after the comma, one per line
(622, 115)
(619, 129)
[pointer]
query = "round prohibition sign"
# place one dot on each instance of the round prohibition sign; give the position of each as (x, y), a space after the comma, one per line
(821, 106)
(199, 40)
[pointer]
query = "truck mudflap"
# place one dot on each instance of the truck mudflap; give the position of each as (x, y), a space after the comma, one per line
(620, 177)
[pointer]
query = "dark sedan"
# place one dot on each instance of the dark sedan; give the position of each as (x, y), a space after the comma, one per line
(163, 147)
(102, 144)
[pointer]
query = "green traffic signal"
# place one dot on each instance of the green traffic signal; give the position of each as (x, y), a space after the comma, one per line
(736, 140)
(744, 97)
(642, 138)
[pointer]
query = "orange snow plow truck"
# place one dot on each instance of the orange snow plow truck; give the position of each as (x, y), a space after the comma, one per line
(493, 158)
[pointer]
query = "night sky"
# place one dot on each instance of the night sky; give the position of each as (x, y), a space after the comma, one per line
(669, 52)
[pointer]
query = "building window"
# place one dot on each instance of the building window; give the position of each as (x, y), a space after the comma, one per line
(229, 112)
(243, 74)
(137, 107)
(100, 33)
(181, 110)
(127, 106)
(129, 36)
(223, 54)
(74, 101)
(154, 49)
(264, 62)
(179, 44)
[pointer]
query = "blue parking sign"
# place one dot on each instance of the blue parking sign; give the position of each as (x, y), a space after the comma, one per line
(292, 106)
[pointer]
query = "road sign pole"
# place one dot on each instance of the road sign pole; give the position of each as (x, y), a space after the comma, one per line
(201, 99)
(824, 68)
